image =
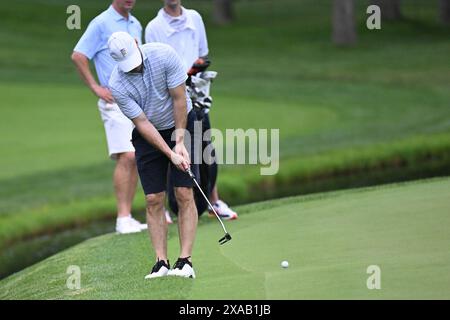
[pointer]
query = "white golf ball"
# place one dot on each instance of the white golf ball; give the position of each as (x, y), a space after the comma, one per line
(285, 264)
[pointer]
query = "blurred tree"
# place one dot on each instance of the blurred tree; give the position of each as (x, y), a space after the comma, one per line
(390, 9)
(344, 25)
(223, 11)
(444, 11)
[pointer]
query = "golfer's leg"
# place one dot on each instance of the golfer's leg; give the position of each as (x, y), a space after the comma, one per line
(157, 224)
(187, 219)
(125, 180)
(118, 130)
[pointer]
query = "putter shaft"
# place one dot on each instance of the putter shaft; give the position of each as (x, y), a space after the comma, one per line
(227, 235)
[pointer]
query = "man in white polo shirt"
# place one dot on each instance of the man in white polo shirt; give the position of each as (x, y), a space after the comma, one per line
(183, 29)
(148, 85)
(93, 46)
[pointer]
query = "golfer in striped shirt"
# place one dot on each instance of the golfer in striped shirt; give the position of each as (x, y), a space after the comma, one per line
(148, 85)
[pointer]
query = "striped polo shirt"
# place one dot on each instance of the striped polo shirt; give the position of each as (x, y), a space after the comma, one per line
(148, 92)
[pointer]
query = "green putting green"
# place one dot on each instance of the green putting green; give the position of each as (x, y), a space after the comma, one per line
(329, 240)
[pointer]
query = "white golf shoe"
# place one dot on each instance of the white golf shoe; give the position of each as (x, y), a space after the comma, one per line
(142, 226)
(127, 224)
(223, 210)
(182, 268)
(160, 269)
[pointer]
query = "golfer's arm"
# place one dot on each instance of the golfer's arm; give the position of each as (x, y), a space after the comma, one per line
(178, 95)
(82, 64)
(151, 135)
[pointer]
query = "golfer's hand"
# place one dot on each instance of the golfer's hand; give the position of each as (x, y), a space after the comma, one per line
(179, 161)
(181, 157)
(103, 93)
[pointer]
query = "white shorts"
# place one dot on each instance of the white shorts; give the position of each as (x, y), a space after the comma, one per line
(118, 128)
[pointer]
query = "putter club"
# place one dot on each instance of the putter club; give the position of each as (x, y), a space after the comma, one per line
(227, 236)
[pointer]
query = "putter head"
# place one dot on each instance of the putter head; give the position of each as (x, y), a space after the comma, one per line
(225, 239)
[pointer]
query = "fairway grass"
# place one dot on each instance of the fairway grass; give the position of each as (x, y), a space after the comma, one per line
(374, 113)
(329, 240)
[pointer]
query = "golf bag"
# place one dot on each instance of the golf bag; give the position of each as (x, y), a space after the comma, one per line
(198, 87)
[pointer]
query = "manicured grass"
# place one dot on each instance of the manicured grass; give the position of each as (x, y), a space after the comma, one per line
(347, 116)
(329, 240)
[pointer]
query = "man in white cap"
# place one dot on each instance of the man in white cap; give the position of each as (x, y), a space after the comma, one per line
(92, 46)
(183, 29)
(148, 84)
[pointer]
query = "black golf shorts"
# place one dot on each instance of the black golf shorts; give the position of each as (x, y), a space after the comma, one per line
(153, 165)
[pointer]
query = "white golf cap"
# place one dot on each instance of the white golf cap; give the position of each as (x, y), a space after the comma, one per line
(123, 49)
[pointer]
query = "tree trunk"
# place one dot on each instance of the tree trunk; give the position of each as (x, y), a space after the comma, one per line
(390, 9)
(444, 11)
(344, 25)
(223, 11)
